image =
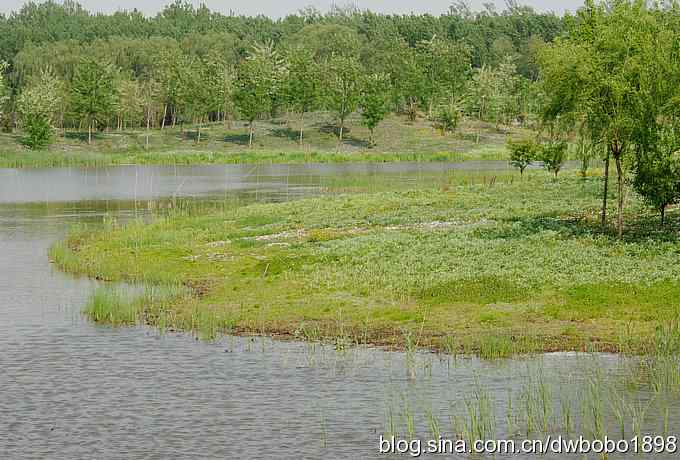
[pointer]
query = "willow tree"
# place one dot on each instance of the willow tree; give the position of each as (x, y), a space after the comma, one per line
(596, 73)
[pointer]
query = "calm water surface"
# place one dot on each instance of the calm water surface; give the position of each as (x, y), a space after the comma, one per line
(73, 390)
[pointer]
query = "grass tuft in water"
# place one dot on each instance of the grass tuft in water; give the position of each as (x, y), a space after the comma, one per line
(481, 416)
(129, 305)
(113, 306)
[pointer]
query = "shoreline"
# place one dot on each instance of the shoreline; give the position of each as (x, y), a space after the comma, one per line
(28, 160)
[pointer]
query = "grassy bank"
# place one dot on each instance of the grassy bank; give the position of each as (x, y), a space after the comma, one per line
(276, 142)
(494, 267)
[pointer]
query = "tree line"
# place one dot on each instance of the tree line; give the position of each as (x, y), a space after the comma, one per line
(191, 65)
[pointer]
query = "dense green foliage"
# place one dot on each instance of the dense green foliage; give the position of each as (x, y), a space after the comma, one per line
(523, 153)
(553, 155)
(657, 176)
(195, 57)
(39, 105)
(615, 76)
(373, 101)
(447, 118)
(93, 94)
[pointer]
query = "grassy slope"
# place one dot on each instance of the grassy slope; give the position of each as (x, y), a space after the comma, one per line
(515, 266)
(276, 141)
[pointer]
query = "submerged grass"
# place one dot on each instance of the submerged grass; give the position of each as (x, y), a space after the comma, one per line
(489, 267)
(541, 403)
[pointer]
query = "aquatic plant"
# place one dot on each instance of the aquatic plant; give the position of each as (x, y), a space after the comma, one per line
(113, 306)
(433, 423)
(481, 418)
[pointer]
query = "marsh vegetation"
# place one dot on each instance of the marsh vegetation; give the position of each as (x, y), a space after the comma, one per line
(490, 263)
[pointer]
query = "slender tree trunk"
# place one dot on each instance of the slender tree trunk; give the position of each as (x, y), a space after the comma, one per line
(619, 173)
(603, 218)
(663, 214)
(89, 134)
(148, 125)
(412, 110)
(174, 117)
(198, 132)
(165, 114)
(250, 134)
(342, 128)
(302, 126)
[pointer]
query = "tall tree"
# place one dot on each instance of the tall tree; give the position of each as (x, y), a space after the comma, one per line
(195, 98)
(93, 93)
(128, 106)
(220, 82)
(302, 85)
(374, 100)
(150, 98)
(256, 85)
(4, 96)
(342, 88)
(408, 81)
(168, 72)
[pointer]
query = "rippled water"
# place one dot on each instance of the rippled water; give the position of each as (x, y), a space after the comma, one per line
(73, 390)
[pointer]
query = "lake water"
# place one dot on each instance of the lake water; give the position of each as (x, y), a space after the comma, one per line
(72, 390)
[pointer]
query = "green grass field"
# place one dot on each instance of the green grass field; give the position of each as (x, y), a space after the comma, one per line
(493, 267)
(276, 141)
